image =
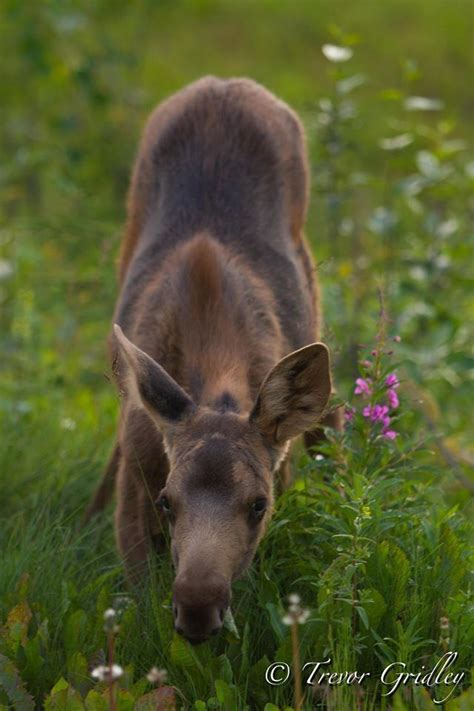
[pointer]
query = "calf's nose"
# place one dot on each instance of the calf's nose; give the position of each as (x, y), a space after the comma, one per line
(199, 605)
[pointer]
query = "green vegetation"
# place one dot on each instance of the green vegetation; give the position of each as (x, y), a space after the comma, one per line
(376, 535)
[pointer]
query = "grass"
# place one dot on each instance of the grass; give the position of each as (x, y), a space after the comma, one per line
(376, 537)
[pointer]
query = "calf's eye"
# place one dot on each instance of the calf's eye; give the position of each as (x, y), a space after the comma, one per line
(259, 506)
(164, 504)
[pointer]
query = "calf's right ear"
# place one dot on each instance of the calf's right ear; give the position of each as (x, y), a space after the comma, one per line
(150, 386)
(294, 394)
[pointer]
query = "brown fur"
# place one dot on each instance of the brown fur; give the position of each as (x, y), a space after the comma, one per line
(217, 287)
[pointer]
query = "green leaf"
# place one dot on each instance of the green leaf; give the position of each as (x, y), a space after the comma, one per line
(388, 571)
(183, 656)
(245, 652)
(11, 682)
(64, 697)
(229, 623)
(227, 694)
(125, 700)
(276, 623)
(75, 632)
(271, 707)
(78, 671)
(225, 669)
(16, 626)
(34, 658)
(363, 616)
(256, 679)
(96, 702)
(59, 686)
(374, 606)
(464, 702)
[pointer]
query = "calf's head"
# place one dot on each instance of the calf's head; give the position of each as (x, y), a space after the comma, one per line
(218, 496)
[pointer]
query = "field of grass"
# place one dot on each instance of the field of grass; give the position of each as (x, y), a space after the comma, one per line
(376, 534)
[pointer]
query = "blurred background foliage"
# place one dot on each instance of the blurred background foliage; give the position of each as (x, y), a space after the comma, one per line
(79, 79)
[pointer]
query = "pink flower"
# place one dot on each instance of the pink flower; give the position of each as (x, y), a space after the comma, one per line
(391, 381)
(390, 434)
(362, 387)
(367, 411)
(348, 413)
(397, 339)
(366, 363)
(380, 414)
(393, 399)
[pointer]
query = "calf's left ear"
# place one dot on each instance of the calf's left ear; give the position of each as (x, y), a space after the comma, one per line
(151, 386)
(294, 394)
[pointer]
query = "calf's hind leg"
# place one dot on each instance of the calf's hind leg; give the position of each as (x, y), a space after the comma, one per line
(130, 524)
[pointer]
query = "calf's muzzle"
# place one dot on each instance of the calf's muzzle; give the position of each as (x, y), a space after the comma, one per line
(200, 600)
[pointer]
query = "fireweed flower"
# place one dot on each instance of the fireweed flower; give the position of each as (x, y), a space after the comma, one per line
(393, 399)
(362, 387)
(391, 381)
(377, 412)
(348, 413)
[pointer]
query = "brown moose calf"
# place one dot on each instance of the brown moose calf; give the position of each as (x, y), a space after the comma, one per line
(217, 307)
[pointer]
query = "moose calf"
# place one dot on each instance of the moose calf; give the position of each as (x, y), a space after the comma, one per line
(213, 346)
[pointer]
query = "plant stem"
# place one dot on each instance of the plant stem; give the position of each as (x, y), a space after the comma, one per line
(296, 666)
(111, 645)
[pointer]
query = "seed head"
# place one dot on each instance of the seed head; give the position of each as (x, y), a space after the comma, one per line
(106, 673)
(157, 676)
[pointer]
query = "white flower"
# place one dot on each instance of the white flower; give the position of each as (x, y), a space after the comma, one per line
(6, 269)
(335, 53)
(67, 423)
(296, 614)
(106, 673)
(444, 623)
(397, 142)
(110, 617)
(422, 103)
(294, 599)
(303, 617)
(448, 227)
(157, 676)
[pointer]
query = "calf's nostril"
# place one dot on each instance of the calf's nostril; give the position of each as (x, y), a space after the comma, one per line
(175, 611)
(179, 630)
(221, 615)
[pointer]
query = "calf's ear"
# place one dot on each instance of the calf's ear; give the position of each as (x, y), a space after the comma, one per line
(149, 385)
(294, 394)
